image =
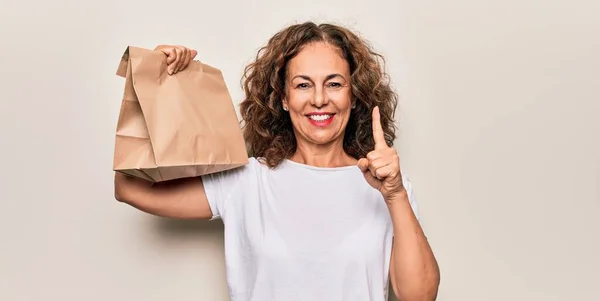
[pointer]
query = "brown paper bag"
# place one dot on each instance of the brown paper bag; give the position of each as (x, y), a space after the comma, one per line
(174, 126)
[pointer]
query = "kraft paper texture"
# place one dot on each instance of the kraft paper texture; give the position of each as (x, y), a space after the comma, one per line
(174, 126)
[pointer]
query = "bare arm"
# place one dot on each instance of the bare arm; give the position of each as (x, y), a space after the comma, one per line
(415, 274)
(181, 199)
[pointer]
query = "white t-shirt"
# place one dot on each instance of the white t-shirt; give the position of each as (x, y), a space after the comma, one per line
(302, 233)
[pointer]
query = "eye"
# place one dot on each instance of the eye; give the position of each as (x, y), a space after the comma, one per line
(303, 86)
(334, 85)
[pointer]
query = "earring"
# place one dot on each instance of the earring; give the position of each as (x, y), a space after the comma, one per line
(354, 105)
(285, 108)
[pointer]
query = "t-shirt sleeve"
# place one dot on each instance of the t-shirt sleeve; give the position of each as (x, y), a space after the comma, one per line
(222, 188)
(412, 199)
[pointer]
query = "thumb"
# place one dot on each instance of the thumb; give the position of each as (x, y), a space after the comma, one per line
(363, 164)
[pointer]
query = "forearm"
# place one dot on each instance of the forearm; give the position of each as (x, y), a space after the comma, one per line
(415, 272)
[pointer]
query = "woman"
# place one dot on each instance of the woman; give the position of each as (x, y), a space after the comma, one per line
(322, 211)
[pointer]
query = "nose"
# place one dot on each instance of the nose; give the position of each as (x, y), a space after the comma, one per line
(320, 98)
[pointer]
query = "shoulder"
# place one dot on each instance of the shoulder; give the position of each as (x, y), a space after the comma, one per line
(238, 175)
(253, 165)
(224, 188)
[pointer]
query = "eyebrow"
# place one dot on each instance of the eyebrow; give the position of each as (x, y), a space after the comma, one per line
(330, 76)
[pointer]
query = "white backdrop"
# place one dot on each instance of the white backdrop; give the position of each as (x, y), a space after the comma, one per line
(499, 134)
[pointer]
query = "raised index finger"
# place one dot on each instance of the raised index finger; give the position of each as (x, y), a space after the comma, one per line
(378, 134)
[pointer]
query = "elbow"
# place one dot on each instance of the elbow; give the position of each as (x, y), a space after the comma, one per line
(119, 196)
(426, 290)
(119, 189)
(432, 292)
(420, 296)
(431, 286)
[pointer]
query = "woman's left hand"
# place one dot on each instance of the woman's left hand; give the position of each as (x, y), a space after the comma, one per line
(381, 167)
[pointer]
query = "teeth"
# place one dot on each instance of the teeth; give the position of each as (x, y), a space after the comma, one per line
(319, 117)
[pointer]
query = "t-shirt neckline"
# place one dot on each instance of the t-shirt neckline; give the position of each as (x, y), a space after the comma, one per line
(306, 166)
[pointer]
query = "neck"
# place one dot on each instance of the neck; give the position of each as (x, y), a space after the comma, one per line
(327, 155)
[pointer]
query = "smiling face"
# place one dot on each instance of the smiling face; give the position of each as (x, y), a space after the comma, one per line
(318, 95)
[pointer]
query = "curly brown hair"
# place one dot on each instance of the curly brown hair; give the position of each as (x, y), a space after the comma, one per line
(268, 130)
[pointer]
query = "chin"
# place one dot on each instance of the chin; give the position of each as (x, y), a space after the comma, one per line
(322, 138)
(321, 135)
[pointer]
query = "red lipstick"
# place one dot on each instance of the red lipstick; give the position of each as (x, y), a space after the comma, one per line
(320, 119)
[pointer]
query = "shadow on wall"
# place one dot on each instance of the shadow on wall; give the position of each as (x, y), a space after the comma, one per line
(186, 229)
(197, 242)
(182, 236)
(192, 250)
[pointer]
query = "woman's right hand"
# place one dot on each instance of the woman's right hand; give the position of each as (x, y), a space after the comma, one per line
(178, 57)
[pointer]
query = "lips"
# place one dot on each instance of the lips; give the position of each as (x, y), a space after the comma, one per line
(321, 118)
